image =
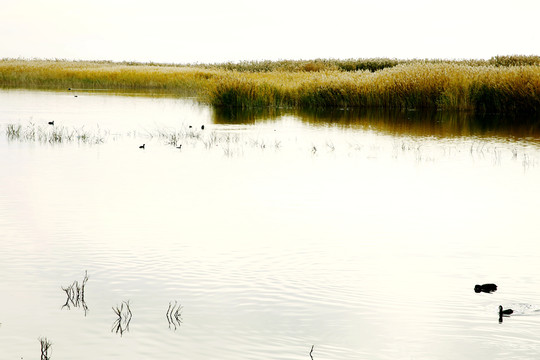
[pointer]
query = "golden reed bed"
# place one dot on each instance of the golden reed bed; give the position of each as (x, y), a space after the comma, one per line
(501, 84)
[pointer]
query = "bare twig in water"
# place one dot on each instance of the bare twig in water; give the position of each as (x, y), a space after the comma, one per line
(174, 315)
(45, 346)
(311, 356)
(124, 315)
(75, 294)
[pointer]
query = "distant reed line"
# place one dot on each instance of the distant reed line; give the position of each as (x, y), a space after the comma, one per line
(503, 84)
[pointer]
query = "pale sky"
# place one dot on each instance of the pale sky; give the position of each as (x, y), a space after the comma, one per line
(179, 31)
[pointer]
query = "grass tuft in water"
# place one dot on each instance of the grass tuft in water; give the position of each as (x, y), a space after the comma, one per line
(45, 347)
(13, 131)
(124, 315)
(174, 315)
(75, 295)
(53, 134)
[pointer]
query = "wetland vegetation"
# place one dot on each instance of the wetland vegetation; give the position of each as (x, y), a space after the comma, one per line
(502, 84)
(52, 134)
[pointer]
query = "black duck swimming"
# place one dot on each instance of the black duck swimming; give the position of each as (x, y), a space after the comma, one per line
(486, 288)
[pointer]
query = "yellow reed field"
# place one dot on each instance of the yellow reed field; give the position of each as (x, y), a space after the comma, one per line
(502, 84)
(100, 75)
(446, 86)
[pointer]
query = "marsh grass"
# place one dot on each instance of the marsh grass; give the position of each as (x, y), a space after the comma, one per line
(99, 75)
(441, 86)
(53, 134)
(13, 131)
(369, 64)
(502, 84)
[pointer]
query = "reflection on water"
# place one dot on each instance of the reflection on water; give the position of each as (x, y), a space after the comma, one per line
(174, 315)
(395, 122)
(326, 235)
(75, 295)
(124, 315)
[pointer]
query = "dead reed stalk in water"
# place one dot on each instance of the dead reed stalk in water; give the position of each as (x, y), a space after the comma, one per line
(45, 347)
(124, 314)
(174, 314)
(75, 294)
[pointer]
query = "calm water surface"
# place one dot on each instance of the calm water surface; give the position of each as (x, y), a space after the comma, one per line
(360, 234)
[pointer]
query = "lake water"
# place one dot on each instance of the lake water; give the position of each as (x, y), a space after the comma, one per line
(359, 234)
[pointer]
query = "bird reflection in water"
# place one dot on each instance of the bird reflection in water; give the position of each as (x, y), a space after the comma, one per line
(504, 313)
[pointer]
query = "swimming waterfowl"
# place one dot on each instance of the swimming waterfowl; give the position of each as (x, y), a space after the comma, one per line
(202, 127)
(505, 312)
(486, 288)
(51, 122)
(142, 146)
(179, 146)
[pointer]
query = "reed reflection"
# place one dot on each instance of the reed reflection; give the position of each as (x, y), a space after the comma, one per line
(174, 315)
(124, 315)
(445, 124)
(75, 295)
(232, 115)
(45, 347)
(504, 313)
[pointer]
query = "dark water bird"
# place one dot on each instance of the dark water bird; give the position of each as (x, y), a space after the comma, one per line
(179, 146)
(486, 288)
(505, 312)
(69, 89)
(202, 127)
(51, 122)
(142, 146)
(190, 126)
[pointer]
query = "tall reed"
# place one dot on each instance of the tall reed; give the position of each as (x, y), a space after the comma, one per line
(446, 86)
(101, 75)
(500, 84)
